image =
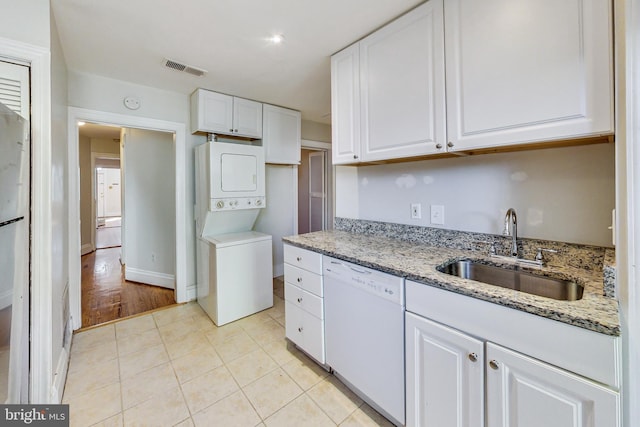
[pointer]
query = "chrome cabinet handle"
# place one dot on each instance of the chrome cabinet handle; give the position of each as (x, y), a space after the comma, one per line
(235, 130)
(439, 146)
(450, 144)
(298, 259)
(355, 156)
(299, 279)
(300, 329)
(473, 357)
(299, 299)
(494, 365)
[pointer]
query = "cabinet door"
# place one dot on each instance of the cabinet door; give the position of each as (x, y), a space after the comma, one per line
(281, 135)
(445, 375)
(247, 118)
(345, 105)
(212, 111)
(402, 86)
(527, 71)
(525, 392)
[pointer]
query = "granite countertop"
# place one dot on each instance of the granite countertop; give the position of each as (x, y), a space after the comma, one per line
(418, 262)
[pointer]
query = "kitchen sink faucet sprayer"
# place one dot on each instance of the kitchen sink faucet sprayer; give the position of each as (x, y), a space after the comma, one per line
(510, 218)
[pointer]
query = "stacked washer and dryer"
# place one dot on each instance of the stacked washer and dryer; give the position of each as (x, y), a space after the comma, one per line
(234, 263)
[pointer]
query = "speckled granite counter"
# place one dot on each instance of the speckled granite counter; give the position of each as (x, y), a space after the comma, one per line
(418, 262)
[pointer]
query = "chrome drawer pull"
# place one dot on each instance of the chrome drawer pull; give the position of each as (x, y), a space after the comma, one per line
(299, 299)
(494, 365)
(473, 357)
(300, 329)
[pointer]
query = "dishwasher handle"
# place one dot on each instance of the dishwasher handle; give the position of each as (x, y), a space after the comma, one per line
(358, 271)
(345, 266)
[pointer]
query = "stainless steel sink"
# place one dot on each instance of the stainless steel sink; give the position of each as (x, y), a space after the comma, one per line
(514, 278)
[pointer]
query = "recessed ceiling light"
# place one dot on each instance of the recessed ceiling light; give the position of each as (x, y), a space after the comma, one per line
(276, 38)
(81, 123)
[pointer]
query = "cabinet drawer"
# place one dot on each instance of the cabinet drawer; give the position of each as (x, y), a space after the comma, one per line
(305, 300)
(305, 330)
(302, 258)
(304, 279)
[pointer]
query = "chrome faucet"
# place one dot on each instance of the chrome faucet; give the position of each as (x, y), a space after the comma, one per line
(510, 218)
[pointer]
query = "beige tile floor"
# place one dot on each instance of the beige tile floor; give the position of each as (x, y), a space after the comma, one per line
(176, 368)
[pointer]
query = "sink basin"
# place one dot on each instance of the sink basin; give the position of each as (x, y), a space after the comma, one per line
(514, 278)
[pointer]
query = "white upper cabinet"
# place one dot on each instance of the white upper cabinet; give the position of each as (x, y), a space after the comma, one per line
(281, 135)
(345, 105)
(527, 71)
(387, 91)
(247, 118)
(214, 112)
(402, 86)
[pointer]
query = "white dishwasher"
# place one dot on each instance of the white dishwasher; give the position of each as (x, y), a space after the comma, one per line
(364, 333)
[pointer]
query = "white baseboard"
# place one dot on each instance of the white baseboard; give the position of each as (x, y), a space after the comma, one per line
(191, 293)
(150, 277)
(86, 248)
(60, 377)
(6, 299)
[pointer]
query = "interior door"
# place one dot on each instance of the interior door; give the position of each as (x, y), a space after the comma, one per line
(317, 191)
(100, 197)
(112, 200)
(15, 160)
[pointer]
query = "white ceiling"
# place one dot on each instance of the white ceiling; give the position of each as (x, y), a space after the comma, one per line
(92, 130)
(128, 40)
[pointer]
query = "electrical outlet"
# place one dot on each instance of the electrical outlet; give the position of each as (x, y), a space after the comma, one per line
(416, 211)
(437, 214)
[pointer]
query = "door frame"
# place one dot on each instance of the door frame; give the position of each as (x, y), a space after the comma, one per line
(179, 131)
(94, 212)
(329, 173)
(41, 351)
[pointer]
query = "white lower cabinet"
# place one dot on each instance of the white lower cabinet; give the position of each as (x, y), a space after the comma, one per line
(445, 375)
(446, 372)
(304, 303)
(525, 392)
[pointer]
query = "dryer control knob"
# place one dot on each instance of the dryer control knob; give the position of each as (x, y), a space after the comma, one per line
(220, 204)
(258, 202)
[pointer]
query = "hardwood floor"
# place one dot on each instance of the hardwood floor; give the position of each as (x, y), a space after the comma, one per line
(107, 296)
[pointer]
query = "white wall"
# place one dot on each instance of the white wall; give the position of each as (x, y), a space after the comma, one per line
(315, 131)
(105, 94)
(563, 194)
(279, 217)
(149, 206)
(26, 21)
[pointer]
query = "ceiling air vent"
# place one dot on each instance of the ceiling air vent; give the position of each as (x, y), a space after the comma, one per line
(184, 68)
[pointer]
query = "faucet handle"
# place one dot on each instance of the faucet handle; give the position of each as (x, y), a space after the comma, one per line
(492, 247)
(540, 257)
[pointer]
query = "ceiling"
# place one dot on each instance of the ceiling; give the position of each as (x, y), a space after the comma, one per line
(92, 130)
(128, 40)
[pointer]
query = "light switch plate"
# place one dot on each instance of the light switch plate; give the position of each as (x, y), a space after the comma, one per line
(416, 211)
(437, 214)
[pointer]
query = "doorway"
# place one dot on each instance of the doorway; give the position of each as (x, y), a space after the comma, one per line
(111, 287)
(179, 132)
(314, 187)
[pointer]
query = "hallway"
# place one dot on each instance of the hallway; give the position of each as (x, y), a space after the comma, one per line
(107, 296)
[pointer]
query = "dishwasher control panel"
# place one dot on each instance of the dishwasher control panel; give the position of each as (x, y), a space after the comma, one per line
(384, 285)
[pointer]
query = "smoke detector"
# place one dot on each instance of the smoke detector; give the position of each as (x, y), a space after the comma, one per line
(177, 66)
